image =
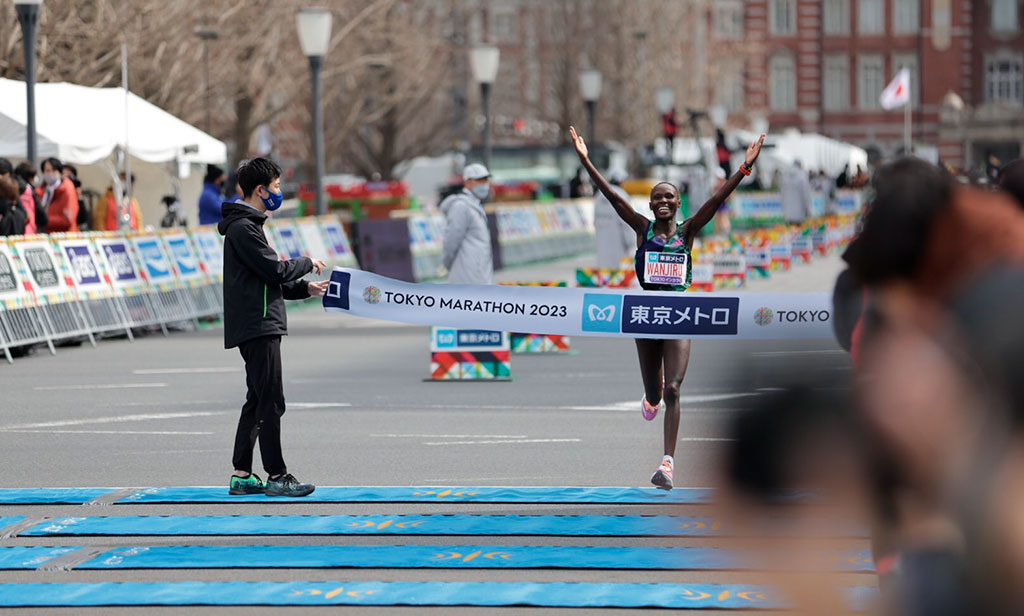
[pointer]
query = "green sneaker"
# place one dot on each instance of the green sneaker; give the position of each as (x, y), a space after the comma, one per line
(246, 485)
(288, 485)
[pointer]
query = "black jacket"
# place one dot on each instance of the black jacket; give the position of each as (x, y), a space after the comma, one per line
(256, 282)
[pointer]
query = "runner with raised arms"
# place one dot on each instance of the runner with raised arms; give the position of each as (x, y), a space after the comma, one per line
(663, 264)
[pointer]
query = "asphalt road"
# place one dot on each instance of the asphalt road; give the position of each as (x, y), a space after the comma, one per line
(162, 411)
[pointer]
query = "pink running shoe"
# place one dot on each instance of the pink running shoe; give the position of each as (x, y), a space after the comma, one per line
(662, 477)
(648, 410)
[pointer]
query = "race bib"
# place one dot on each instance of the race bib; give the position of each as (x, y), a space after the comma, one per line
(665, 268)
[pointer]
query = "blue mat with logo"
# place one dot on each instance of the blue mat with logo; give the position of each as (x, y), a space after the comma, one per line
(450, 557)
(6, 521)
(51, 496)
(536, 525)
(412, 494)
(29, 557)
(482, 594)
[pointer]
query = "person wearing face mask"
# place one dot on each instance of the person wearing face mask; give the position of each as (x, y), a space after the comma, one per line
(467, 238)
(209, 200)
(59, 198)
(26, 175)
(109, 211)
(256, 283)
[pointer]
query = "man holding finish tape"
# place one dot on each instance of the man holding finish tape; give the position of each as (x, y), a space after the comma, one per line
(256, 283)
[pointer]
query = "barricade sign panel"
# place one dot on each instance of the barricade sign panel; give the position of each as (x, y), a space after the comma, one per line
(210, 251)
(702, 277)
(118, 257)
(155, 264)
(337, 241)
(86, 268)
(287, 241)
(313, 238)
(183, 257)
(13, 294)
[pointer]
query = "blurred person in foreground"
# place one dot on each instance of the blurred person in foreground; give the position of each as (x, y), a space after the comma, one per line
(256, 283)
(615, 239)
(1011, 180)
(13, 217)
(25, 204)
(59, 198)
(467, 237)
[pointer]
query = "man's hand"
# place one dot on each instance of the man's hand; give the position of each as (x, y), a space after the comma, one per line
(317, 289)
(753, 150)
(318, 266)
(577, 140)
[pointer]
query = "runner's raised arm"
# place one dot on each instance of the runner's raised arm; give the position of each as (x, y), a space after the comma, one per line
(707, 211)
(622, 207)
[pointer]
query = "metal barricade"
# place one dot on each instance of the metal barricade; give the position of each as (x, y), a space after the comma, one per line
(127, 280)
(104, 309)
(47, 279)
(20, 320)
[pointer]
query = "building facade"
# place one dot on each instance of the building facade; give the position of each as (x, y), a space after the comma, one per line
(820, 65)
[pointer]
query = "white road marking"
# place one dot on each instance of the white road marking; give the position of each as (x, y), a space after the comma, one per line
(316, 405)
(503, 441)
(106, 420)
(805, 352)
(450, 435)
(706, 439)
(175, 403)
(113, 386)
(208, 370)
(160, 432)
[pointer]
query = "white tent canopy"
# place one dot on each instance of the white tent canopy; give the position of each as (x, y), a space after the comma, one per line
(83, 125)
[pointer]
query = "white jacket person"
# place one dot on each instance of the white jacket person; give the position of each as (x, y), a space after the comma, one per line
(467, 240)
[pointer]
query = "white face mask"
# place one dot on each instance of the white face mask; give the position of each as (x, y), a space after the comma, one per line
(51, 178)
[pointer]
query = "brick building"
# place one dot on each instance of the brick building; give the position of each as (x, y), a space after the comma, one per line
(820, 65)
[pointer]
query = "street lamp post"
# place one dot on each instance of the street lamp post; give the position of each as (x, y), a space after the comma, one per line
(590, 87)
(207, 35)
(314, 26)
(483, 61)
(28, 17)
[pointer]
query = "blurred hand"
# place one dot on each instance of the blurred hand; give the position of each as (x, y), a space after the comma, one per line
(753, 150)
(577, 140)
(318, 288)
(318, 266)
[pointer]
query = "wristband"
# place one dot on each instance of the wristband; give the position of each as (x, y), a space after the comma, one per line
(744, 169)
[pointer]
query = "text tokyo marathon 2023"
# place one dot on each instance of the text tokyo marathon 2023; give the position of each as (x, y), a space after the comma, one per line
(429, 301)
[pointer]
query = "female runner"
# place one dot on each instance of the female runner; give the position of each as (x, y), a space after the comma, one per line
(663, 235)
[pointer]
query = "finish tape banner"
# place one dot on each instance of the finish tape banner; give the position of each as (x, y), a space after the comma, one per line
(610, 313)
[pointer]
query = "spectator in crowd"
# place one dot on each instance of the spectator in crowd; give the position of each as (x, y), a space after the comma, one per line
(670, 128)
(172, 218)
(210, 199)
(860, 179)
(615, 239)
(1011, 180)
(579, 185)
(232, 191)
(59, 197)
(795, 194)
(27, 177)
(84, 219)
(12, 215)
(723, 153)
(27, 205)
(843, 179)
(110, 210)
(467, 237)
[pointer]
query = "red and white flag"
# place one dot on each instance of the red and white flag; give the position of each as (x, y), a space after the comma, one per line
(897, 93)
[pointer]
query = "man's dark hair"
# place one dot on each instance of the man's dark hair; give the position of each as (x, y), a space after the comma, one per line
(910, 195)
(256, 172)
(25, 170)
(1011, 179)
(5, 166)
(213, 173)
(54, 162)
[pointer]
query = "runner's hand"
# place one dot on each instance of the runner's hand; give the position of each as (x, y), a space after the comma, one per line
(577, 140)
(318, 288)
(318, 265)
(753, 150)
